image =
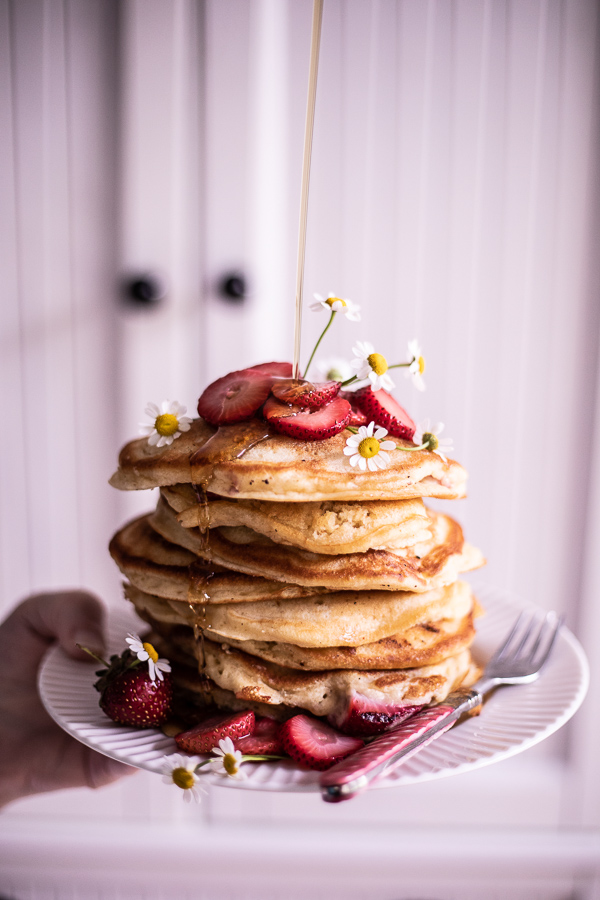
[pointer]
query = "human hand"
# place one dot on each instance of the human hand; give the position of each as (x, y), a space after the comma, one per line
(36, 755)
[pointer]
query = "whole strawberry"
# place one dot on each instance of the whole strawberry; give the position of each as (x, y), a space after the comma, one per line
(136, 691)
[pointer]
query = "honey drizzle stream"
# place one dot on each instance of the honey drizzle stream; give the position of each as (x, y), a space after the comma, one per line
(315, 43)
(229, 442)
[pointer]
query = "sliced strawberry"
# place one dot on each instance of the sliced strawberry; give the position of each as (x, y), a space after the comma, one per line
(357, 416)
(203, 737)
(381, 408)
(308, 425)
(281, 369)
(305, 393)
(364, 717)
(264, 739)
(315, 745)
(235, 397)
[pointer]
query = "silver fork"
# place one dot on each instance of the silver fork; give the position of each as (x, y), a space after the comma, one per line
(518, 661)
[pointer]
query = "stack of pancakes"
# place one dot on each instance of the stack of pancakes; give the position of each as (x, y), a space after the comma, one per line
(278, 578)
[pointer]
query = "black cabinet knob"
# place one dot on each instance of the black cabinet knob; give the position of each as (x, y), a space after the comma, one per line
(232, 286)
(144, 290)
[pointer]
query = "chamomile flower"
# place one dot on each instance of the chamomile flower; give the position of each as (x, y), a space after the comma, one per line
(371, 365)
(427, 438)
(367, 450)
(228, 760)
(333, 303)
(417, 365)
(169, 421)
(145, 651)
(334, 368)
(181, 771)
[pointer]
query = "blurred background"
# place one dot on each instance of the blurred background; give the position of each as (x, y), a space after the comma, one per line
(149, 197)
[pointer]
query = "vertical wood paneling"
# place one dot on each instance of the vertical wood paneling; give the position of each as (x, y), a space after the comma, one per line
(228, 100)
(57, 316)
(14, 487)
(161, 351)
(469, 119)
(91, 68)
(58, 126)
(27, 112)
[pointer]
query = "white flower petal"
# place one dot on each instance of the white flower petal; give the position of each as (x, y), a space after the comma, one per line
(362, 463)
(380, 433)
(349, 450)
(154, 439)
(226, 745)
(355, 460)
(388, 445)
(152, 410)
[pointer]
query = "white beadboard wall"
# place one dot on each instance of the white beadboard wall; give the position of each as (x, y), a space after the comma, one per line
(57, 323)
(454, 181)
(455, 198)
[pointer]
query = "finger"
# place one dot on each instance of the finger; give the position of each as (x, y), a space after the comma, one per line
(68, 617)
(102, 770)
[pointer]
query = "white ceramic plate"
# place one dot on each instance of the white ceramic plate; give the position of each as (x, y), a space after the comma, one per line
(512, 720)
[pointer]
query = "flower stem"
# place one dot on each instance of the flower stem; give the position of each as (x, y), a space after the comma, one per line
(411, 449)
(401, 365)
(352, 429)
(331, 318)
(262, 757)
(93, 655)
(350, 380)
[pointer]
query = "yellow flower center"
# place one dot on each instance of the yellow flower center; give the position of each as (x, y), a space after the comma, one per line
(182, 778)
(378, 363)
(230, 764)
(421, 363)
(430, 441)
(332, 300)
(166, 424)
(151, 652)
(368, 447)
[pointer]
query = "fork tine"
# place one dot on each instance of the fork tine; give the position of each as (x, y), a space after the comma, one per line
(502, 649)
(526, 637)
(547, 635)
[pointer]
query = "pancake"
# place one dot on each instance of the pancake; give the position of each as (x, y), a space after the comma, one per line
(155, 565)
(348, 619)
(194, 692)
(330, 527)
(423, 644)
(247, 462)
(328, 693)
(425, 566)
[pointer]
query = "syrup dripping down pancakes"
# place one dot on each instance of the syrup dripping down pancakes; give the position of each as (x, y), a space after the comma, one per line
(276, 577)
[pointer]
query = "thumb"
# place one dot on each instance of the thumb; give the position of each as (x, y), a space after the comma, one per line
(66, 617)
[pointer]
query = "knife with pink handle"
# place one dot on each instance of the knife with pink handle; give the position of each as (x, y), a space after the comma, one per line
(518, 661)
(354, 774)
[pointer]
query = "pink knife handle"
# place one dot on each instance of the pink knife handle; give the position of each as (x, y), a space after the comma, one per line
(386, 746)
(352, 775)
